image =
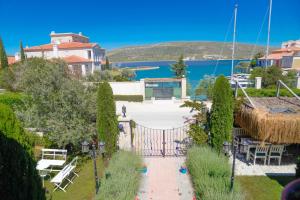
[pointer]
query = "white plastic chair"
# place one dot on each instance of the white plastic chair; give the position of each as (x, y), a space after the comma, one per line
(276, 153)
(261, 152)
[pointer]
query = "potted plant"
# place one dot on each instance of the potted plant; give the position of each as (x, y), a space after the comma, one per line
(143, 169)
(183, 169)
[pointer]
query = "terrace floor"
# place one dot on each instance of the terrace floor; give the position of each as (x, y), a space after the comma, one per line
(244, 168)
(160, 114)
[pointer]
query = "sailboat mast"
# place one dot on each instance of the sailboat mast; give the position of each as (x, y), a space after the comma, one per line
(269, 30)
(233, 41)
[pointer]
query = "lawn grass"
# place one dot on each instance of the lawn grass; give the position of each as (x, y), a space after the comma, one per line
(263, 187)
(83, 187)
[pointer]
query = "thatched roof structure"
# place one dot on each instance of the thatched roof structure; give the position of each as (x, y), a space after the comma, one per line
(274, 119)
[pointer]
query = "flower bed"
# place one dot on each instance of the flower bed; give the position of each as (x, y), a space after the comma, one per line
(122, 177)
(210, 173)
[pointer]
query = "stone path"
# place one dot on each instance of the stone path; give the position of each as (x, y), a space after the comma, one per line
(163, 180)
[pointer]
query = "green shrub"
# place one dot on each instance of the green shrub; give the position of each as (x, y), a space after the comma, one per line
(210, 173)
(122, 177)
(198, 134)
(134, 98)
(12, 99)
(298, 167)
(221, 118)
(107, 122)
(18, 176)
(269, 92)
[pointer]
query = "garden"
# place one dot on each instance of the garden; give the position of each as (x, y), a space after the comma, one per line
(47, 108)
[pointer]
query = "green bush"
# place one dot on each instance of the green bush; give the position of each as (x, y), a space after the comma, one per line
(210, 173)
(252, 92)
(221, 118)
(198, 134)
(18, 176)
(134, 98)
(107, 122)
(122, 177)
(298, 167)
(12, 99)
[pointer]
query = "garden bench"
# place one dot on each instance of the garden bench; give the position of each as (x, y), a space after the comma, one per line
(65, 174)
(52, 158)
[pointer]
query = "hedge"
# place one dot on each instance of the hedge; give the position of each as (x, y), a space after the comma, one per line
(252, 92)
(210, 173)
(18, 176)
(12, 99)
(122, 177)
(134, 98)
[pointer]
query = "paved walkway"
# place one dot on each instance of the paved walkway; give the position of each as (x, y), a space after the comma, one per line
(163, 180)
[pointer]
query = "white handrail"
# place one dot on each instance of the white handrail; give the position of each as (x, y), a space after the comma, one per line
(251, 102)
(291, 91)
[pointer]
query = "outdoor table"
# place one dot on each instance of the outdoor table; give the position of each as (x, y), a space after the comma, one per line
(251, 144)
(46, 163)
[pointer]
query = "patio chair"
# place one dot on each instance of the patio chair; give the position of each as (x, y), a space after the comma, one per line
(260, 152)
(276, 153)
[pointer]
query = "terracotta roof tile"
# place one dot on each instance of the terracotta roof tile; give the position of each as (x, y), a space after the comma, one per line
(75, 59)
(277, 56)
(289, 49)
(67, 45)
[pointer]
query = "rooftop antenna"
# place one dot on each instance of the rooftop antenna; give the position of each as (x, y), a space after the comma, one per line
(269, 30)
(233, 41)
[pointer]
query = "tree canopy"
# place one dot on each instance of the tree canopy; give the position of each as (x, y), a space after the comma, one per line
(205, 86)
(272, 74)
(57, 104)
(179, 68)
(3, 56)
(107, 64)
(22, 53)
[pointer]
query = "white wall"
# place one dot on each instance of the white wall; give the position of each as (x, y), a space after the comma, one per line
(127, 88)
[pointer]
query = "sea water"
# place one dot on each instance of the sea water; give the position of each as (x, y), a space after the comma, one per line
(196, 69)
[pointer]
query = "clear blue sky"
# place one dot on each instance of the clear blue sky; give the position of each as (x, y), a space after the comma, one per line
(117, 23)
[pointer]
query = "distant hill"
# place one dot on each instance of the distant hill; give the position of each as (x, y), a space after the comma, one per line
(190, 50)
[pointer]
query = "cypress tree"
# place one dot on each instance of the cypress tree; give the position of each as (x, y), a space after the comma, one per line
(3, 56)
(22, 54)
(221, 120)
(107, 122)
(179, 68)
(107, 64)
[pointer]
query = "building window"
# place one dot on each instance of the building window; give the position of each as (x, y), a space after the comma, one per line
(89, 54)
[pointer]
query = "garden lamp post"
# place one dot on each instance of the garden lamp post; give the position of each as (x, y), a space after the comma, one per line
(85, 147)
(226, 147)
(233, 166)
(95, 168)
(102, 148)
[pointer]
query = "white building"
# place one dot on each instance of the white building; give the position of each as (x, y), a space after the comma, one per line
(82, 56)
(286, 57)
(291, 43)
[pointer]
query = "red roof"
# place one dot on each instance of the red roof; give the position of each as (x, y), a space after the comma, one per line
(277, 56)
(76, 59)
(289, 49)
(67, 45)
